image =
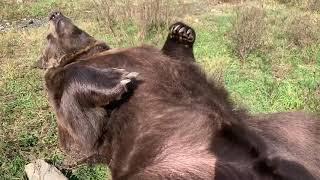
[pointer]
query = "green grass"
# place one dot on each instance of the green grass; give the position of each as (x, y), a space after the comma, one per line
(10, 10)
(280, 77)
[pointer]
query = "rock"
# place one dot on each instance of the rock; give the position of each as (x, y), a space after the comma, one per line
(40, 170)
(31, 21)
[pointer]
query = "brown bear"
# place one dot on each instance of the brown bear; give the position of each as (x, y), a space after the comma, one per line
(153, 114)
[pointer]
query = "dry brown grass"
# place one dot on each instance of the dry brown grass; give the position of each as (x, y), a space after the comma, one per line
(248, 30)
(314, 5)
(231, 1)
(303, 30)
(289, 2)
(147, 16)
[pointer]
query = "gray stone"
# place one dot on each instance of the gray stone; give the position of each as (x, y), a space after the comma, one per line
(40, 170)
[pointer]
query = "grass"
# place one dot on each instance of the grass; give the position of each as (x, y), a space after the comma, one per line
(280, 77)
(10, 10)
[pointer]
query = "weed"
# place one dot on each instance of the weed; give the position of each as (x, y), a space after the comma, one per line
(150, 17)
(248, 30)
(294, 3)
(231, 1)
(314, 5)
(291, 2)
(303, 31)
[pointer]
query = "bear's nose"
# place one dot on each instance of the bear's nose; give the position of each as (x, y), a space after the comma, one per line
(55, 15)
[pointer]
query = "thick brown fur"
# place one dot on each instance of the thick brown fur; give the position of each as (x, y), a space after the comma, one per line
(170, 121)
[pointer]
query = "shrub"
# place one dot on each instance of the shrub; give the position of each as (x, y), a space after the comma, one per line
(231, 1)
(290, 2)
(248, 30)
(303, 31)
(147, 15)
(314, 5)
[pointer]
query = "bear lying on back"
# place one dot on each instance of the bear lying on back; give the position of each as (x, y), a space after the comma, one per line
(151, 114)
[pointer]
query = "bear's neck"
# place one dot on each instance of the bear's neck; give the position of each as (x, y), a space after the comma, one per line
(95, 48)
(88, 51)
